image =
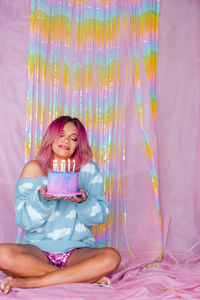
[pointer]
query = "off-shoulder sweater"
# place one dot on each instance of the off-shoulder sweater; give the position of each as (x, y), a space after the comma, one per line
(61, 225)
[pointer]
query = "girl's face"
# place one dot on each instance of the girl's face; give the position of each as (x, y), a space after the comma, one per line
(65, 145)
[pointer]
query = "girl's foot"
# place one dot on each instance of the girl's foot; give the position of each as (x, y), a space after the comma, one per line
(7, 284)
(104, 280)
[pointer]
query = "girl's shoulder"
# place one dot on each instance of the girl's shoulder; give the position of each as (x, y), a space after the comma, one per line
(32, 169)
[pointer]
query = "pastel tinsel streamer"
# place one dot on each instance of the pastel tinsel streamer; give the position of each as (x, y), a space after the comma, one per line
(146, 39)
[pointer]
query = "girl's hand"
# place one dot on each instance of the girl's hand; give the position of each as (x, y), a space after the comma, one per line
(78, 199)
(42, 192)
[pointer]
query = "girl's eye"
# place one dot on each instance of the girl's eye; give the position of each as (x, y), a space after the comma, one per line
(61, 135)
(74, 139)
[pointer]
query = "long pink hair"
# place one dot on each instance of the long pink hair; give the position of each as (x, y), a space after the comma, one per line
(82, 154)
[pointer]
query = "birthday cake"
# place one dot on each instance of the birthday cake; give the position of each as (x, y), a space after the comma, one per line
(62, 183)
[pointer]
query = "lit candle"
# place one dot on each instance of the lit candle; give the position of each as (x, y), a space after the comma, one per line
(68, 165)
(55, 165)
(63, 166)
(73, 165)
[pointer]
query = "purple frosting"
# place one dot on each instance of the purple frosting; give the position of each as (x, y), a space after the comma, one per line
(62, 182)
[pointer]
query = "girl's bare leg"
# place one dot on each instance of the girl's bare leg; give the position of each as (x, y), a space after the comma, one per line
(85, 253)
(23, 261)
(85, 265)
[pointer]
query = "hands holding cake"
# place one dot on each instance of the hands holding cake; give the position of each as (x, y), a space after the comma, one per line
(79, 198)
(58, 243)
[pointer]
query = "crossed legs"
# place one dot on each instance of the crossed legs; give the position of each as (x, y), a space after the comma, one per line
(28, 267)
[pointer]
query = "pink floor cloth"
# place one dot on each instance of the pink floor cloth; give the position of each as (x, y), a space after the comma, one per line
(167, 280)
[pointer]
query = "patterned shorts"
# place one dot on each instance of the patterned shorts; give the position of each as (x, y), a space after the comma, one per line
(59, 259)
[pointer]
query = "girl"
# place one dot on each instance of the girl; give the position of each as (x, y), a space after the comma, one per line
(58, 245)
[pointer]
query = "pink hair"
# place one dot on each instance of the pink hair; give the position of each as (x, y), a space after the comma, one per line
(82, 154)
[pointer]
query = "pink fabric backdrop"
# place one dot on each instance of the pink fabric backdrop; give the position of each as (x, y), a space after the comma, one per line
(178, 125)
(14, 37)
(178, 148)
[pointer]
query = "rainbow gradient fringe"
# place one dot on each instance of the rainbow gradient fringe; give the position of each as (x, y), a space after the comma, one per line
(74, 68)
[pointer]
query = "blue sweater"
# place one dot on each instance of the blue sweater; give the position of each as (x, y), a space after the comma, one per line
(61, 225)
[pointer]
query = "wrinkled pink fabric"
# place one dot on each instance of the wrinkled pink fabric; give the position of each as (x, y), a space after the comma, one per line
(178, 275)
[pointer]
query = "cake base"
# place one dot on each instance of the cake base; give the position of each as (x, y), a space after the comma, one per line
(63, 195)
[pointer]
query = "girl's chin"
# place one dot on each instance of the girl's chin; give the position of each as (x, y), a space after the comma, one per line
(62, 156)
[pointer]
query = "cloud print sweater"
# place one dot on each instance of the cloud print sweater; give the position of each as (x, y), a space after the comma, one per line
(61, 225)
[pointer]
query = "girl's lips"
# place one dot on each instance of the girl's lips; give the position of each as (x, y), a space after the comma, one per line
(64, 147)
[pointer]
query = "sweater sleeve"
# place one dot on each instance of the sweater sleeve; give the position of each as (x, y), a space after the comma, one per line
(31, 210)
(95, 209)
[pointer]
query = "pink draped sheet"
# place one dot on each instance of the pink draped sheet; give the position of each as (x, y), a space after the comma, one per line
(168, 280)
(178, 275)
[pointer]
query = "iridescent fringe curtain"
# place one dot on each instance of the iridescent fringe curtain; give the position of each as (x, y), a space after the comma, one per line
(89, 59)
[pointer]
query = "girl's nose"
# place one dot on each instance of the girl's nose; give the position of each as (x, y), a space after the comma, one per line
(66, 139)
